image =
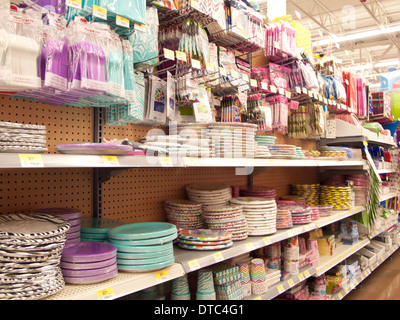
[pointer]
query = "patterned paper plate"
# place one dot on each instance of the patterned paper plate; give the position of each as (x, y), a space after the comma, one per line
(204, 235)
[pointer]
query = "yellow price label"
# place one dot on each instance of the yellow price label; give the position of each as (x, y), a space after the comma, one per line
(218, 256)
(194, 264)
(290, 282)
(77, 4)
(307, 273)
(258, 298)
(165, 161)
(301, 277)
(31, 160)
(267, 240)
(340, 295)
(280, 288)
(105, 294)
(249, 246)
(162, 276)
(110, 160)
(122, 21)
(99, 12)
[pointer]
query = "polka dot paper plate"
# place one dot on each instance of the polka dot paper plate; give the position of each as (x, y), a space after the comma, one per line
(204, 235)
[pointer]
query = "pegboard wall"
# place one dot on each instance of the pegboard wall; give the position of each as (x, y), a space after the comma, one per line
(26, 190)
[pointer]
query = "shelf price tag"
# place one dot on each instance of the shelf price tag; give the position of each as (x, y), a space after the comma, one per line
(273, 89)
(181, 56)
(301, 277)
(140, 27)
(162, 276)
(218, 256)
(280, 288)
(169, 54)
(223, 71)
(165, 161)
(290, 282)
(77, 4)
(196, 64)
(258, 298)
(99, 12)
(105, 294)
(31, 160)
(298, 90)
(253, 83)
(111, 160)
(264, 86)
(267, 240)
(194, 264)
(122, 21)
(249, 246)
(307, 273)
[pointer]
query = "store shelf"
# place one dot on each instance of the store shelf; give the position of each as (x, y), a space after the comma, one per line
(342, 252)
(15, 161)
(364, 274)
(123, 284)
(193, 260)
(387, 196)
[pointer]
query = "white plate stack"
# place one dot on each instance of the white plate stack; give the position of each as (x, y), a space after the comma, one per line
(232, 140)
(209, 194)
(227, 218)
(260, 214)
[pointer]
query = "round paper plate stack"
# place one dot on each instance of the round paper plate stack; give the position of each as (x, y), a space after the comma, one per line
(338, 197)
(73, 216)
(232, 140)
(262, 152)
(96, 229)
(325, 210)
(89, 262)
(310, 193)
(228, 218)
(184, 214)
(283, 151)
(209, 194)
(30, 254)
(265, 140)
(301, 214)
(314, 213)
(144, 246)
(283, 219)
(260, 214)
(204, 239)
(258, 191)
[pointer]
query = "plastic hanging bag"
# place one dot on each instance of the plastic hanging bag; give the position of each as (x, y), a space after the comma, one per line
(115, 79)
(24, 47)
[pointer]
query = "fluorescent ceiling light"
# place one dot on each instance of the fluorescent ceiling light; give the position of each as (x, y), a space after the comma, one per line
(388, 63)
(361, 35)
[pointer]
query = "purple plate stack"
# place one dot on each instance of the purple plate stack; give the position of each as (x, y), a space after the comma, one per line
(89, 262)
(73, 216)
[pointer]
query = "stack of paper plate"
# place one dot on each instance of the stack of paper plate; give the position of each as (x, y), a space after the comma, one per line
(228, 218)
(283, 151)
(301, 214)
(325, 210)
(30, 254)
(265, 140)
(260, 214)
(73, 216)
(338, 197)
(184, 214)
(258, 191)
(299, 153)
(310, 193)
(144, 246)
(315, 213)
(89, 262)
(18, 137)
(262, 152)
(232, 140)
(96, 229)
(283, 219)
(209, 194)
(204, 239)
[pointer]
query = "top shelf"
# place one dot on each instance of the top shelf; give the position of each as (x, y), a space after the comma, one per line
(18, 161)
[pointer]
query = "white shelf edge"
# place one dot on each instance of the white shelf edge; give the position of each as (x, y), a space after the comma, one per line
(13, 161)
(121, 285)
(387, 196)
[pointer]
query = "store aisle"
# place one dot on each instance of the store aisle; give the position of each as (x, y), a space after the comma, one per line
(382, 284)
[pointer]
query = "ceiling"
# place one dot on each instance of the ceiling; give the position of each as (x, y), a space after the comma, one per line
(329, 18)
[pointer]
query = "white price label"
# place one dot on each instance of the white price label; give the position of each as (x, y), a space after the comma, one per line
(169, 54)
(77, 4)
(196, 64)
(122, 21)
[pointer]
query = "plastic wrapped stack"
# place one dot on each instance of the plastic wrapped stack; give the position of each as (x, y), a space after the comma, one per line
(227, 283)
(291, 255)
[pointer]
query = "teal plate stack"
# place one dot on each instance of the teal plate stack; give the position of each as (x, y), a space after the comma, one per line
(96, 229)
(144, 246)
